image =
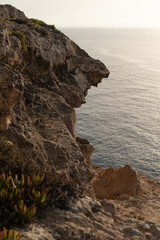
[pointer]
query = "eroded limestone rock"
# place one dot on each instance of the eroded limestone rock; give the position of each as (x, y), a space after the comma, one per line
(112, 183)
(43, 76)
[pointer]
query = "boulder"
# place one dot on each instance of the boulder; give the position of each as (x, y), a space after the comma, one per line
(112, 183)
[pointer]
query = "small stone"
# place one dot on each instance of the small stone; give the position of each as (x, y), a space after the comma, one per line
(96, 209)
(140, 217)
(57, 235)
(146, 226)
(148, 236)
(109, 207)
(158, 227)
(130, 221)
(129, 232)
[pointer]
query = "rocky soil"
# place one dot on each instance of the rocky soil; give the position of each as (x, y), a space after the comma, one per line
(127, 217)
(43, 77)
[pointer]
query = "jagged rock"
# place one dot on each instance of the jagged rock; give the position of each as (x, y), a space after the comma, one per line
(111, 183)
(86, 148)
(43, 76)
(8, 11)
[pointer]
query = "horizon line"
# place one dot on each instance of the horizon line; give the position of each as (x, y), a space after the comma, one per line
(109, 27)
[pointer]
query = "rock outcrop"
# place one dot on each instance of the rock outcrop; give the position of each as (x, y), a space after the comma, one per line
(43, 77)
(8, 11)
(112, 183)
(86, 148)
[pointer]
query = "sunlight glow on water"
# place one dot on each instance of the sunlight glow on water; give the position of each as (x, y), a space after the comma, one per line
(122, 116)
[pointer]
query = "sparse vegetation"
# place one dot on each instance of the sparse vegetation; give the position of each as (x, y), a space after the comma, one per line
(2, 19)
(11, 235)
(21, 37)
(23, 193)
(36, 22)
(38, 25)
(31, 22)
(17, 20)
(20, 198)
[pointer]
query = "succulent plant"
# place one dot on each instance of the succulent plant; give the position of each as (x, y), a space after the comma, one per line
(11, 235)
(24, 213)
(20, 198)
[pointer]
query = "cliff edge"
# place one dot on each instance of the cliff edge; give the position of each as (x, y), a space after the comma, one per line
(43, 77)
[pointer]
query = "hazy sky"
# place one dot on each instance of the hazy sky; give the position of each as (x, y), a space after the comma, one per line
(92, 13)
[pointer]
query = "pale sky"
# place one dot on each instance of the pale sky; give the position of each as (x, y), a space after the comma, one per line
(92, 13)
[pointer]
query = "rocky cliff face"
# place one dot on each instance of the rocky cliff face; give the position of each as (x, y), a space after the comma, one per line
(43, 77)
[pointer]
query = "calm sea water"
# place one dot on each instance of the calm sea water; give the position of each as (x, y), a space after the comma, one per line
(122, 116)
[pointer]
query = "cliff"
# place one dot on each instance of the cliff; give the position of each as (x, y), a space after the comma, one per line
(43, 77)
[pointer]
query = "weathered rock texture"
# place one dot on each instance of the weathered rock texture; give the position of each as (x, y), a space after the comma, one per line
(8, 11)
(112, 183)
(130, 218)
(43, 77)
(86, 148)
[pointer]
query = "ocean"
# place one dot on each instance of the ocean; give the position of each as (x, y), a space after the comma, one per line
(121, 117)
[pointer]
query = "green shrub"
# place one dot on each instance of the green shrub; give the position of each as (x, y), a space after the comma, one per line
(20, 198)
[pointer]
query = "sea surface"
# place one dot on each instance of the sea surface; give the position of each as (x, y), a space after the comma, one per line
(121, 118)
